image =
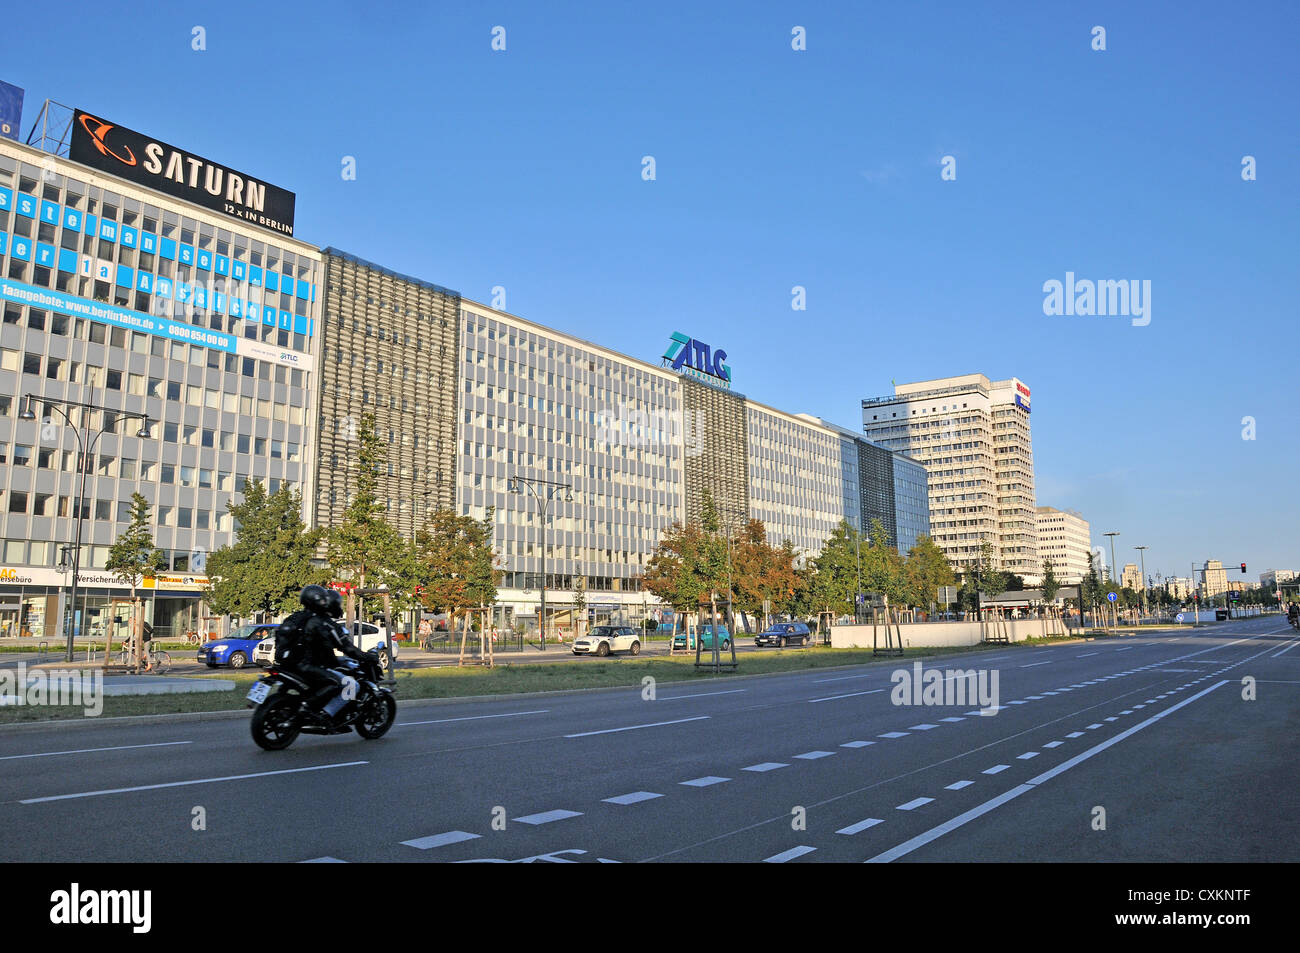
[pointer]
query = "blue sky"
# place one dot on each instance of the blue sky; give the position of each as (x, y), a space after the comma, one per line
(819, 168)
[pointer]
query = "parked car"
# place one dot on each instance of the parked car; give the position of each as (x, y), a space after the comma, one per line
(705, 634)
(236, 650)
(604, 639)
(782, 634)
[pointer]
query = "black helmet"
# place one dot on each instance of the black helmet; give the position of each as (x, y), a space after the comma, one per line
(322, 601)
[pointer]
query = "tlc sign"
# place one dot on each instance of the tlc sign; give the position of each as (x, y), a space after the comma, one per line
(685, 353)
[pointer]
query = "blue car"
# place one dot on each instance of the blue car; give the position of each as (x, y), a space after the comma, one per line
(236, 650)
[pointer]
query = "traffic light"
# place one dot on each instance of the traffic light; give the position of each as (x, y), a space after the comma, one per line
(1243, 569)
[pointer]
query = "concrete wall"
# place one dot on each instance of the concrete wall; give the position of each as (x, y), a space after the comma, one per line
(937, 634)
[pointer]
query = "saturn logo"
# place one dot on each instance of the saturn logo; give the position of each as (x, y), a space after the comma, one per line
(97, 135)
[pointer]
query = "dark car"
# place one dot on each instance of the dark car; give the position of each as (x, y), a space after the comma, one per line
(782, 633)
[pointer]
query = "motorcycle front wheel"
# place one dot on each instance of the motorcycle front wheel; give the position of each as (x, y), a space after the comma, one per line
(275, 722)
(377, 717)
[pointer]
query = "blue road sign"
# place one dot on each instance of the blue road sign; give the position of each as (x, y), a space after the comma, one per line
(1179, 617)
(1111, 596)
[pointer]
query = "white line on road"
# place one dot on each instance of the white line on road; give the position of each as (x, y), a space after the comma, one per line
(323, 860)
(856, 744)
(934, 833)
(831, 698)
(673, 698)
(443, 721)
(440, 840)
(1287, 649)
(1053, 744)
(814, 755)
(996, 769)
(893, 734)
(181, 784)
(704, 782)
(634, 798)
(922, 727)
(653, 724)
(1032, 664)
(860, 826)
(1027, 755)
(50, 754)
(913, 804)
(546, 817)
(790, 854)
(958, 785)
(1086, 654)
(843, 678)
(1075, 734)
(953, 718)
(766, 766)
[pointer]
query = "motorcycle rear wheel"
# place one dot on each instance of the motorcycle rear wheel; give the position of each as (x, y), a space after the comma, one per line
(275, 723)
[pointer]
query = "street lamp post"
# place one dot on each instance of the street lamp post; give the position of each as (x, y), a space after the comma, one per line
(1143, 556)
(543, 492)
(84, 448)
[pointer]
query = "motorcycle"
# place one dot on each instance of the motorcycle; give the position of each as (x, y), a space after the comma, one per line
(281, 712)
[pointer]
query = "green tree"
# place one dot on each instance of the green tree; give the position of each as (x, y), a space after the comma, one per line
(761, 572)
(457, 565)
(1051, 585)
(882, 567)
(133, 558)
(982, 576)
(364, 549)
(270, 561)
(689, 566)
(926, 569)
(833, 581)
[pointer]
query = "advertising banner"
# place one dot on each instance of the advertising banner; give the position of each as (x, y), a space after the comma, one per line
(11, 110)
(135, 157)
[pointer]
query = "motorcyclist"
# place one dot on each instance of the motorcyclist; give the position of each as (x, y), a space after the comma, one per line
(1293, 613)
(314, 635)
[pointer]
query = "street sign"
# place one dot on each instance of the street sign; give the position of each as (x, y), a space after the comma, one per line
(1111, 596)
(1178, 618)
(947, 595)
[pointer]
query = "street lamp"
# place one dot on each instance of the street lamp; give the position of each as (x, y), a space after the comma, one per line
(543, 492)
(85, 448)
(1142, 554)
(1112, 554)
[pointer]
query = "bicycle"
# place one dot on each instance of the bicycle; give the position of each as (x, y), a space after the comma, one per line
(157, 661)
(193, 638)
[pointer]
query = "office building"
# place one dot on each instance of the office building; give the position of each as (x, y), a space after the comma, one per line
(1063, 538)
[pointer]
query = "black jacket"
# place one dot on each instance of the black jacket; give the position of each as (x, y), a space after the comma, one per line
(314, 649)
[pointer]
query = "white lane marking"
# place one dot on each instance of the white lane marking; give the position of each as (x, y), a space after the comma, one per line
(1127, 711)
(1287, 649)
(958, 785)
(1049, 693)
(1093, 726)
(1086, 654)
(704, 782)
(440, 840)
(790, 854)
(1139, 706)
(1075, 734)
(913, 804)
(1126, 648)
(1032, 664)
(730, 691)
(934, 833)
(1110, 718)
(953, 718)
(181, 784)
(860, 826)
(996, 769)
(1034, 697)
(856, 744)
(1018, 701)
(766, 766)
(814, 755)
(923, 727)
(443, 721)
(51, 754)
(831, 698)
(1027, 755)
(655, 724)
(843, 678)
(893, 734)
(634, 798)
(323, 860)
(546, 817)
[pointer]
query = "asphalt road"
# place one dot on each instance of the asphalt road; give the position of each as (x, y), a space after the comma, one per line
(1139, 749)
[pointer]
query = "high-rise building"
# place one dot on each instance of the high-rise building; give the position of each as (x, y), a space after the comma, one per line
(972, 435)
(1271, 579)
(1214, 579)
(1063, 537)
(145, 280)
(1131, 577)
(1179, 587)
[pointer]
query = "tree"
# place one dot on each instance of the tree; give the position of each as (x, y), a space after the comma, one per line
(982, 577)
(132, 559)
(1050, 586)
(1090, 589)
(689, 566)
(882, 567)
(364, 549)
(579, 605)
(761, 573)
(457, 565)
(833, 581)
(266, 567)
(926, 569)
